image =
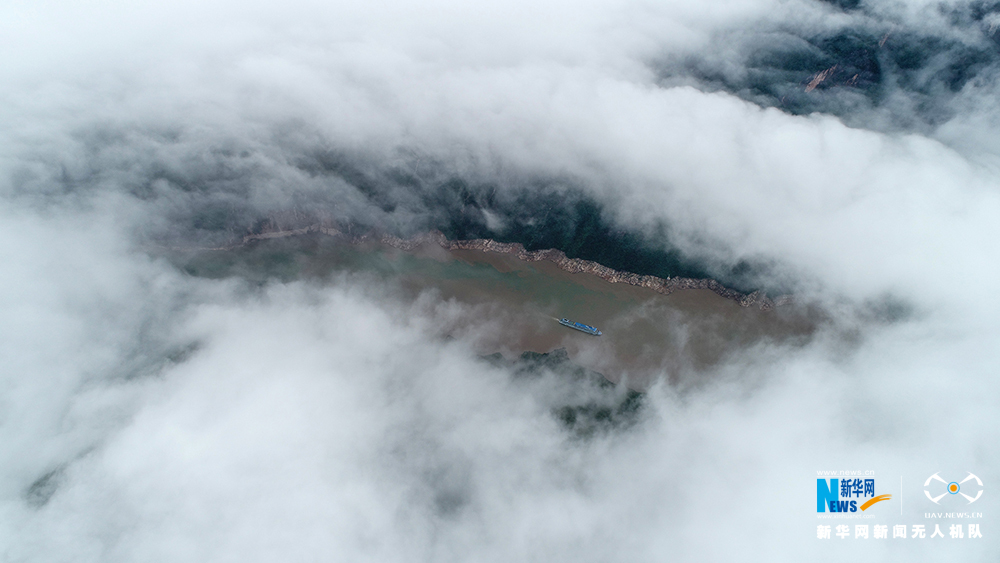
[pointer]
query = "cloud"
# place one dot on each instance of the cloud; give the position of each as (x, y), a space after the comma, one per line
(149, 414)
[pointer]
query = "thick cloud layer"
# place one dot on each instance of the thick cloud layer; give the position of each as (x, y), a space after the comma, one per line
(148, 415)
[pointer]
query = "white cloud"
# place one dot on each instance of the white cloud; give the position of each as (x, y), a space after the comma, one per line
(306, 421)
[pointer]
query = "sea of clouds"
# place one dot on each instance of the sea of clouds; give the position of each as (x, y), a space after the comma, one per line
(147, 415)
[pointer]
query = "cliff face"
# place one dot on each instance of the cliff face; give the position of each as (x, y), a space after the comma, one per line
(573, 265)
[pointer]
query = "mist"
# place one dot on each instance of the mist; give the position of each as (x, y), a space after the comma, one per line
(149, 414)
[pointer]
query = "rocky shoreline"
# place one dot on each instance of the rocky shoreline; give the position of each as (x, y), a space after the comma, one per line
(665, 286)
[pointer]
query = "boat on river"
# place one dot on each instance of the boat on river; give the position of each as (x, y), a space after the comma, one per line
(581, 327)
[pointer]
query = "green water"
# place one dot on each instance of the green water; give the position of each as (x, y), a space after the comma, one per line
(317, 258)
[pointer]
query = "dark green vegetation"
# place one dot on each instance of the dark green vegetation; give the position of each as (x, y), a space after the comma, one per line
(910, 76)
(591, 405)
(540, 213)
(549, 217)
(212, 191)
(211, 201)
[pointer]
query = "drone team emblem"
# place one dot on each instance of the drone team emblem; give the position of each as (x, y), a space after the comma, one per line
(953, 488)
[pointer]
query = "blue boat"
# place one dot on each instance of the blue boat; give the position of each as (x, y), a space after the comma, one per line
(581, 327)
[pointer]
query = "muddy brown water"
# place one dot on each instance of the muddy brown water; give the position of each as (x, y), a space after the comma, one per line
(511, 306)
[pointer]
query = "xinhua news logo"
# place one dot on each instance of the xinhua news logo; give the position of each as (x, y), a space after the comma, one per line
(846, 495)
